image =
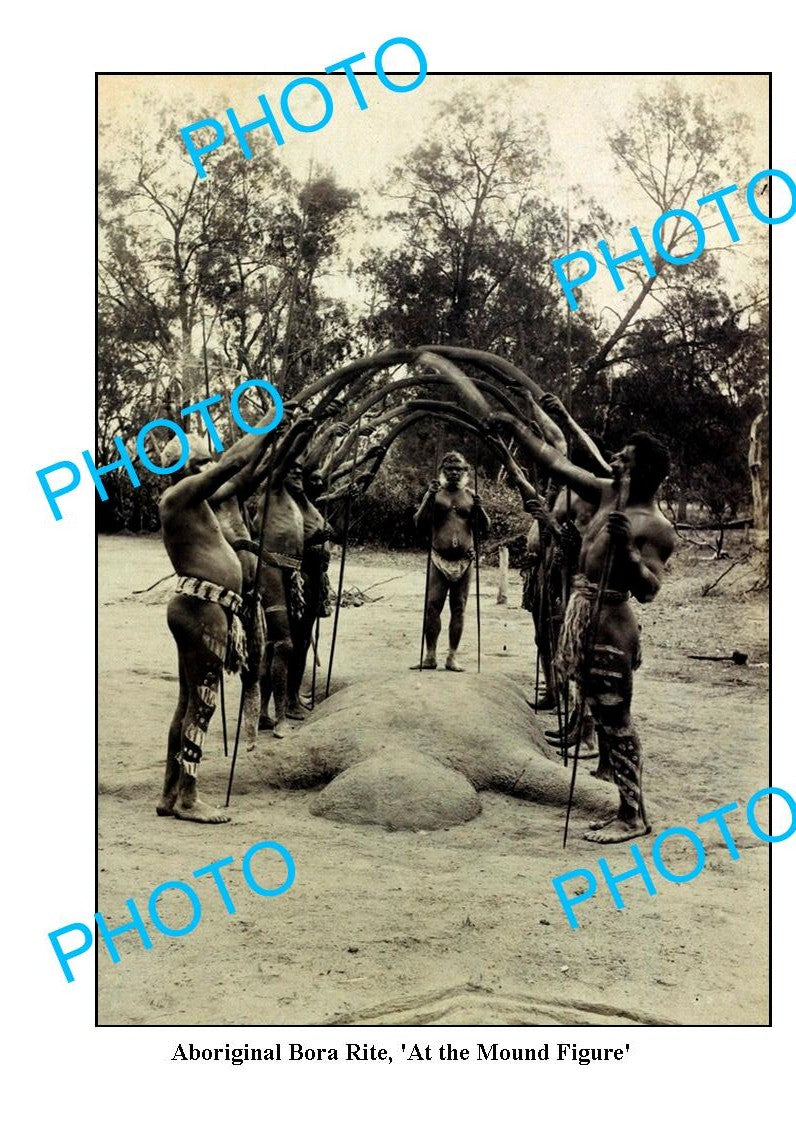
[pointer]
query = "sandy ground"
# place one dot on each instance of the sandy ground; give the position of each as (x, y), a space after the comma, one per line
(453, 926)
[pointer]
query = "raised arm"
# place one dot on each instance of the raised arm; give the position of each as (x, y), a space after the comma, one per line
(290, 444)
(556, 409)
(197, 488)
(244, 482)
(532, 501)
(294, 443)
(587, 485)
(320, 452)
(550, 431)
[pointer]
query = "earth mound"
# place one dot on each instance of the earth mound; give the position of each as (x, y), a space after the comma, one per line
(412, 752)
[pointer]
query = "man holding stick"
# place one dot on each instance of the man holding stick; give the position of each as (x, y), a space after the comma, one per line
(448, 512)
(624, 550)
(204, 615)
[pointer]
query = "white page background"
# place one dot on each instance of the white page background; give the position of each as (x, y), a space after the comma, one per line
(58, 1060)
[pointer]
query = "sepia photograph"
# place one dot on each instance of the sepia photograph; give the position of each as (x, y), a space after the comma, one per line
(433, 474)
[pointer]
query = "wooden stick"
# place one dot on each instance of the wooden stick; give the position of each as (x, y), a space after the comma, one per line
(149, 588)
(223, 714)
(210, 449)
(255, 598)
(428, 560)
(315, 643)
(588, 651)
(477, 565)
(346, 524)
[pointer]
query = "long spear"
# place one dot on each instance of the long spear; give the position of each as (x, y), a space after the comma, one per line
(210, 450)
(346, 523)
(477, 566)
(538, 668)
(547, 633)
(316, 641)
(565, 572)
(254, 599)
(428, 560)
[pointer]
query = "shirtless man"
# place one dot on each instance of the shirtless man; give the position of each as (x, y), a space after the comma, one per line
(204, 613)
(236, 531)
(315, 576)
(228, 505)
(449, 510)
(547, 543)
(281, 589)
(573, 514)
(639, 540)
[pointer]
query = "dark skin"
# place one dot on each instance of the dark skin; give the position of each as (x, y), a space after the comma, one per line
(452, 509)
(227, 504)
(570, 516)
(195, 543)
(640, 541)
(317, 533)
(555, 408)
(234, 528)
(284, 534)
(643, 538)
(536, 506)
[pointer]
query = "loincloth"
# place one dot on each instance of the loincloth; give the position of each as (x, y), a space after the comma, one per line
(229, 646)
(452, 570)
(324, 594)
(530, 576)
(294, 582)
(577, 622)
(315, 570)
(254, 626)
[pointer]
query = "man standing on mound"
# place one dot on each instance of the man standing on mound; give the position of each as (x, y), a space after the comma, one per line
(451, 514)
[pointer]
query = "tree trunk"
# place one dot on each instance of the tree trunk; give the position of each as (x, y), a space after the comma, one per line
(682, 509)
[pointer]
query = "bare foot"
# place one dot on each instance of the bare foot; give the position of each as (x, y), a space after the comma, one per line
(265, 722)
(294, 711)
(428, 664)
(200, 812)
(619, 830)
(280, 728)
(601, 823)
(452, 663)
(603, 774)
